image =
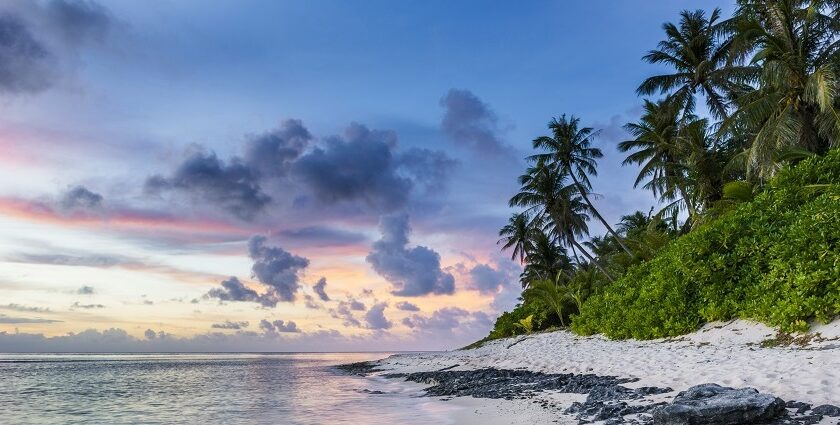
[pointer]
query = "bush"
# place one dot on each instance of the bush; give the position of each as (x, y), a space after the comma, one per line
(775, 259)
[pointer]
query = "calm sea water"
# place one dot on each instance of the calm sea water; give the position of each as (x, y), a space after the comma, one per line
(204, 389)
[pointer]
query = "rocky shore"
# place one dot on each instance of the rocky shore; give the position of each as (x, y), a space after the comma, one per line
(722, 374)
(609, 402)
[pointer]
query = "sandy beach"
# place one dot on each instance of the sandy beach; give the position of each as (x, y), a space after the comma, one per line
(733, 354)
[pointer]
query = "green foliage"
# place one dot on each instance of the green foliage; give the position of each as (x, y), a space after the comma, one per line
(526, 324)
(775, 259)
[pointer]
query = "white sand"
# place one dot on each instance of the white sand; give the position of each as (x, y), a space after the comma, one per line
(728, 354)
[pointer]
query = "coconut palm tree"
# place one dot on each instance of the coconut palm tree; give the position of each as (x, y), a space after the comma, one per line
(555, 207)
(552, 292)
(569, 150)
(657, 147)
(546, 259)
(700, 63)
(517, 234)
(795, 44)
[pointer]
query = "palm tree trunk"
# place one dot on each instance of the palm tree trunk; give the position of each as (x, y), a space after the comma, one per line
(597, 214)
(594, 261)
(692, 211)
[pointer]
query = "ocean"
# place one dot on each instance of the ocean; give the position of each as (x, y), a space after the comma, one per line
(205, 389)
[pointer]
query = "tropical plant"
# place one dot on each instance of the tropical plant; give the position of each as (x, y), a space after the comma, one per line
(569, 150)
(552, 292)
(517, 234)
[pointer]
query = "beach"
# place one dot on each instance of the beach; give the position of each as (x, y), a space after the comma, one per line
(734, 354)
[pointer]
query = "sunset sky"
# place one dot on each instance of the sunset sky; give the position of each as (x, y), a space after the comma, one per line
(289, 176)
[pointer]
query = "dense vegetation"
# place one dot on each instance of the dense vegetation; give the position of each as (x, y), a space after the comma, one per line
(738, 150)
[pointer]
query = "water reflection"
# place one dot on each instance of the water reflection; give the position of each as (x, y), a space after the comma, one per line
(206, 388)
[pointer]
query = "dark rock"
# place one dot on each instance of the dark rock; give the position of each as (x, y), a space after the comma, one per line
(827, 410)
(798, 405)
(712, 404)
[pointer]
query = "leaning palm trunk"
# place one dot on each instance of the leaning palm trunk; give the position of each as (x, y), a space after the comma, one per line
(593, 261)
(597, 214)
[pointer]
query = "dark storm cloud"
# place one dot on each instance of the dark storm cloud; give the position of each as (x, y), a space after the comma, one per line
(10, 320)
(486, 279)
(25, 63)
(360, 166)
(227, 324)
(320, 288)
(234, 290)
(276, 268)
(323, 236)
(80, 198)
(35, 38)
(272, 153)
(429, 168)
(470, 122)
(412, 271)
(375, 317)
(407, 306)
(278, 326)
(233, 187)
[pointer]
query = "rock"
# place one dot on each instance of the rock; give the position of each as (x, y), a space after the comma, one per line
(827, 410)
(798, 405)
(712, 404)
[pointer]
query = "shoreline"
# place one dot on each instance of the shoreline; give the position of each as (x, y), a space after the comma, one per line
(553, 374)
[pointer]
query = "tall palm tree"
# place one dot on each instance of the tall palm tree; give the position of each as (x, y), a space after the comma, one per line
(657, 148)
(517, 234)
(699, 61)
(554, 206)
(795, 44)
(546, 260)
(569, 149)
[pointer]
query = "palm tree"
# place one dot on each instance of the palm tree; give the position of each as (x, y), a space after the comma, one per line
(570, 150)
(517, 234)
(794, 42)
(551, 292)
(657, 148)
(554, 207)
(699, 62)
(545, 260)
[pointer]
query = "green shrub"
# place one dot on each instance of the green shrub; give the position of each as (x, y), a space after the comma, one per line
(775, 259)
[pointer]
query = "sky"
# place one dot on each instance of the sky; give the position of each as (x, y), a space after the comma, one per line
(290, 176)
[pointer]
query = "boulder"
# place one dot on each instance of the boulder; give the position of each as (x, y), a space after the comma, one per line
(827, 410)
(712, 404)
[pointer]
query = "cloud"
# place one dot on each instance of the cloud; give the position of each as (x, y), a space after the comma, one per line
(344, 312)
(449, 319)
(486, 279)
(375, 317)
(234, 187)
(25, 309)
(429, 168)
(10, 320)
(103, 261)
(412, 272)
(470, 122)
(85, 290)
(323, 236)
(407, 306)
(278, 326)
(320, 288)
(273, 153)
(360, 166)
(85, 306)
(79, 198)
(37, 40)
(227, 324)
(234, 290)
(25, 63)
(276, 268)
